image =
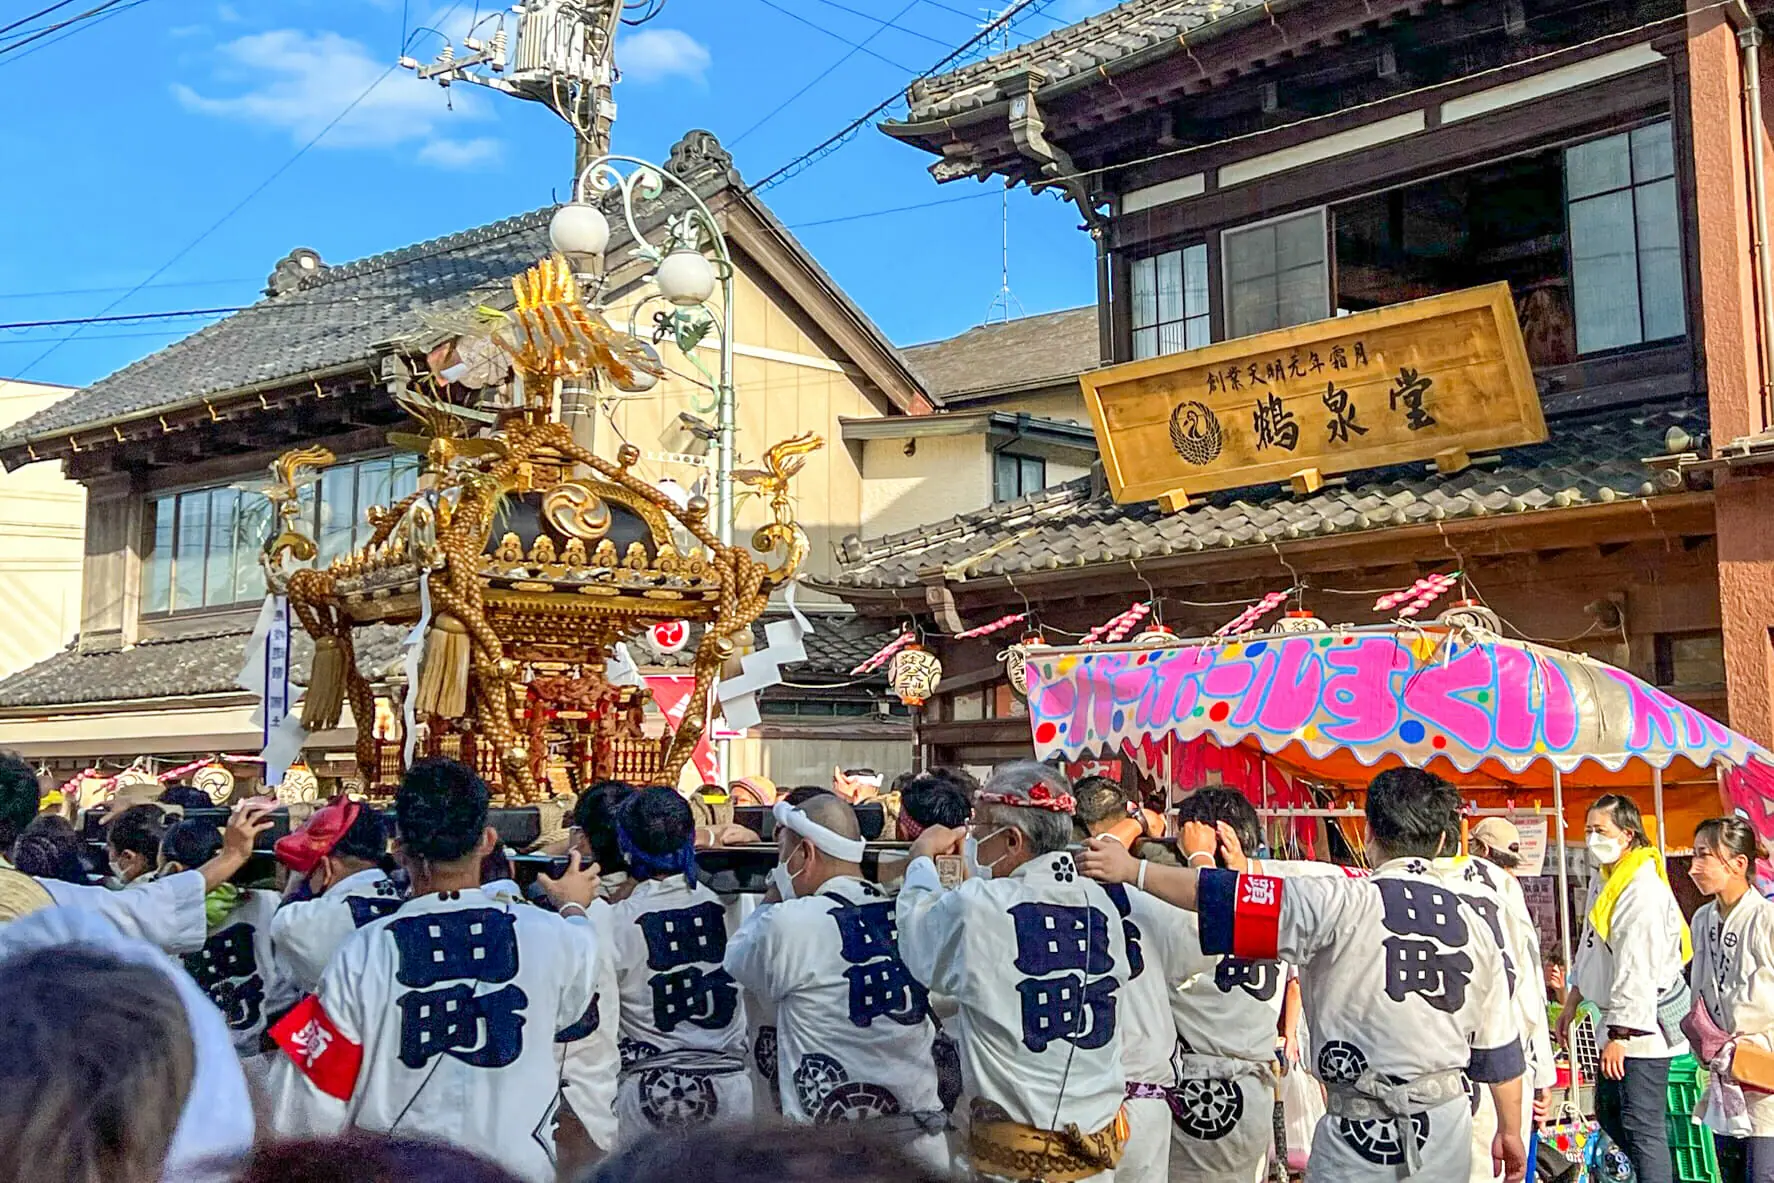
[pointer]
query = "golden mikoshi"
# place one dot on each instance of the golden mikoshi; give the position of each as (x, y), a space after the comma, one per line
(534, 557)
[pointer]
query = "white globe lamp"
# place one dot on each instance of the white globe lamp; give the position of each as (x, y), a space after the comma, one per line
(685, 277)
(579, 230)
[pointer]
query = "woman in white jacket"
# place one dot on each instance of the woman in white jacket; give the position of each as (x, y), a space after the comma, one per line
(1733, 974)
(1632, 953)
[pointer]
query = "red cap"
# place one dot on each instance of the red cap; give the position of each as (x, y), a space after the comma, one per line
(301, 850)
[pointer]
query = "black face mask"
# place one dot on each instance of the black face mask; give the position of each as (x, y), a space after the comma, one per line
(304, 890)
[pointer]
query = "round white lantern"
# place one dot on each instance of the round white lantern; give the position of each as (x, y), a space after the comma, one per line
(914, 674)
(1473, 617)
(1016, 661)
(299, 785)
(578, 229)
(216, 782)
(1156, 637)
(686, 277)
(1299, 622)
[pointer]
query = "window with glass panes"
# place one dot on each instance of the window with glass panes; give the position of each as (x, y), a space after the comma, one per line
(1626, 255)
(1276, 274)
(1169, 302)
(1017, 476)
(201, 546)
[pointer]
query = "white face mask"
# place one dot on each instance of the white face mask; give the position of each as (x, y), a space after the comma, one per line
(609, 885)
(970, 856)
(1605, 851)
(784, 879)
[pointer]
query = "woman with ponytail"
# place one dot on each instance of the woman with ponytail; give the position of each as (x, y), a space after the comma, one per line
(1733, 978)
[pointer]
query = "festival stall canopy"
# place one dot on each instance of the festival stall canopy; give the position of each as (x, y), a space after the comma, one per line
(1340, 705)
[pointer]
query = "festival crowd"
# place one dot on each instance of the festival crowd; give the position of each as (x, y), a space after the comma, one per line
(1046, 989)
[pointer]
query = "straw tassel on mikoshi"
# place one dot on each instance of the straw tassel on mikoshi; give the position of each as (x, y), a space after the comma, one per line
(325, 700)
(443, 676)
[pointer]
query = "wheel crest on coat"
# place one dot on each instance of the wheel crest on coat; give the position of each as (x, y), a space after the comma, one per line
(674, 1096)
(1208, 1110)
(856, 1101)
(816, 1076)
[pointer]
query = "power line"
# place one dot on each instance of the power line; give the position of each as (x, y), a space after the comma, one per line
(128, 316)
(821, 76)
(94, 23)
(25, 20)
(46, 30)
(236, 208)
(898, 209)
(855, 46)
(833, 141)
(177, 283)
(885, 24)
(974, 16)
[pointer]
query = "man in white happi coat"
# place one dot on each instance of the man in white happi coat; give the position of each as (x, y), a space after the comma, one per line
(234, 967)
(336, 886)
(167, 912)
(439, 1021)
(1487, 884)
(853, 1029)
(1034, 956)
(1404, 987)
(683, 1025)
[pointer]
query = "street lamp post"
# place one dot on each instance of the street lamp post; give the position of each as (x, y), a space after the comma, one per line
(692, 263)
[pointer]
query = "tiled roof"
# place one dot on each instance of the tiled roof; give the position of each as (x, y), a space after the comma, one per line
(1090, 44)
(207, 663)
(1588, 461)
(338, 316)
(1052, 347)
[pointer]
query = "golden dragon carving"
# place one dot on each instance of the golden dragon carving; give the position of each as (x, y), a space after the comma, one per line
(781, 462)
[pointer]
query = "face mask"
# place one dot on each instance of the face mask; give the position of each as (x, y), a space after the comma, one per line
(1605, 851)
(970, 856)
(609, 885)
(784, 880)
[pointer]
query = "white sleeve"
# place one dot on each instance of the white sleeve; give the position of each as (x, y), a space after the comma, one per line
(748, 952)
(590, 1061)
(302, 941)
(167, 912)
(1497, 1054)
(318, 1073)
(930, 928)
(1637, 932)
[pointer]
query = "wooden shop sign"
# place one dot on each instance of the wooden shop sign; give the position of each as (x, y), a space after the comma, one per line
(1433, 379)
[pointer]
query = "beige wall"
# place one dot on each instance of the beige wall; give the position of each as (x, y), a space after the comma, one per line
(794, 762)
(787, 380)
(947, 475)
(42, 520)
(1064, 402)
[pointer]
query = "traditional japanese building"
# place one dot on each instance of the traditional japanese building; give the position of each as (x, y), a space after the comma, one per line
(1259, 170)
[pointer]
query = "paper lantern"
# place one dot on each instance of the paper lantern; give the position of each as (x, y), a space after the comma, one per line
(216, 782)
(299, 785)
(1299, 622)
(914, 674)
(670, 636)
(1016, 661)
(1156, 637)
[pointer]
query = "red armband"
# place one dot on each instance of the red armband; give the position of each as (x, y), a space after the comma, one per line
(311, 1041)
(1256, 924)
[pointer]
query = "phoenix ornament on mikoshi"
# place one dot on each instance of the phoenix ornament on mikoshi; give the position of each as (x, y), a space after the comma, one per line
(526, 558)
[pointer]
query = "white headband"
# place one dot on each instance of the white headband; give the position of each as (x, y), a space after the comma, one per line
(871, 779)
(830, 842)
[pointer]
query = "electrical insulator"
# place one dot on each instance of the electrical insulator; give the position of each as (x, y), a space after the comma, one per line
(498, 63)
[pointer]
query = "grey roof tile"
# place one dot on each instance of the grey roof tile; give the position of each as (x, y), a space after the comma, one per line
(1087, 45)
(1589, 459)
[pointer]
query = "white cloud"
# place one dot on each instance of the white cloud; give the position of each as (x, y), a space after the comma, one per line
(652, 55)
(461, 153)
(228, 13)
(299, 83)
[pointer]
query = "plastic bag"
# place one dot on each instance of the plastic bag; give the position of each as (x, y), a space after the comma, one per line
(1302, 1104)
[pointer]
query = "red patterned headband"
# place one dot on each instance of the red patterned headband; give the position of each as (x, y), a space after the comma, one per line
(1040, 797)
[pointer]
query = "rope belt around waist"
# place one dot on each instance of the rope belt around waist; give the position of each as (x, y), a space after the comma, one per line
(1196, 1066)
(1011, 1150)
(1371, 1098)
(687, 1060)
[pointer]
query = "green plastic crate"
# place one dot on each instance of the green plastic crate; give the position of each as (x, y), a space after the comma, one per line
(1690, 1145)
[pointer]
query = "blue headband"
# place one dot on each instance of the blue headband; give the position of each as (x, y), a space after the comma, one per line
(642, 865)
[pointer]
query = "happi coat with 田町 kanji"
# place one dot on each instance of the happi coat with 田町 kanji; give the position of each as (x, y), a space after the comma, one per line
(1406, 996)
(440, 1021)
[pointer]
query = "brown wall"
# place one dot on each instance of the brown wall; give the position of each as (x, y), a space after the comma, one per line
(1731, 352)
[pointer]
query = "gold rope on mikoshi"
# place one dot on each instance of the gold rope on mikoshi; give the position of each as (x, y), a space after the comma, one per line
(522, 624)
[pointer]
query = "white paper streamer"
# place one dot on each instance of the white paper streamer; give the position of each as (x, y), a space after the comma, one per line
(784, 643)
(252, 672)
(414, 650)
(620, 669)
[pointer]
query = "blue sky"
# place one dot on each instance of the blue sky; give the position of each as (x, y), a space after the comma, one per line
(132, 136)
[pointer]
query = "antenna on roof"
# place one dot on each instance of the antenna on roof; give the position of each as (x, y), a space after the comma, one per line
(1004, 307)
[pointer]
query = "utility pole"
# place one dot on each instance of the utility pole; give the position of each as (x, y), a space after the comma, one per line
(560, 53)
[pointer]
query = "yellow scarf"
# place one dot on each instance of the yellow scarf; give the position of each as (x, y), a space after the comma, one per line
(1601, 915)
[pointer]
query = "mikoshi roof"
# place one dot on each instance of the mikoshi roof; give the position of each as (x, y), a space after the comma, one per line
(1340, 704)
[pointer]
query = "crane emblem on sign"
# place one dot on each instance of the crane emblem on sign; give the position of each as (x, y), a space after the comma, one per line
(1195, 432)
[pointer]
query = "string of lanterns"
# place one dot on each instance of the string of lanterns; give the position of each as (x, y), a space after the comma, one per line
(1247, 619)
(1418, 596)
